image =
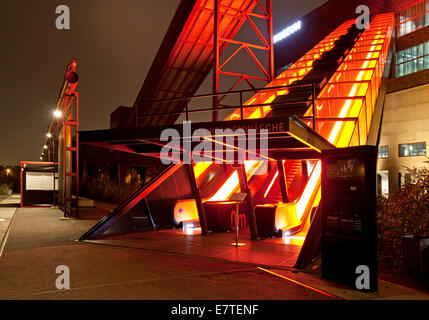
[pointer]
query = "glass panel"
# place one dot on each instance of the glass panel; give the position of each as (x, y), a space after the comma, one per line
(412, 60)
(413, 149)
(383, 152)
(413, 18)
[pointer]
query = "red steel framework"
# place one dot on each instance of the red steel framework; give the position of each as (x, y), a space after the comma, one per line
(185, 58)
(64, 129)
(219, 67)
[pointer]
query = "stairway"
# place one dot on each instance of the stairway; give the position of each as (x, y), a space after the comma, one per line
(299, 97)
(294, 167)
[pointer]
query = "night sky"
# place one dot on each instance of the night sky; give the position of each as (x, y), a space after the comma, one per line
(114, 43)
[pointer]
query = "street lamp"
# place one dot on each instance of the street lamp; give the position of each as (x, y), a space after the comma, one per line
(58, 114)
(8, 172)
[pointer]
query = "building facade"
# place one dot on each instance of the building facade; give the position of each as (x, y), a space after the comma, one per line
(405, 126)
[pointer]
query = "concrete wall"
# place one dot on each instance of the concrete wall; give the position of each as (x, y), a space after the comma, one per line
(405, 120)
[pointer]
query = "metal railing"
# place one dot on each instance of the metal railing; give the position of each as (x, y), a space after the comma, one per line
(187, 110)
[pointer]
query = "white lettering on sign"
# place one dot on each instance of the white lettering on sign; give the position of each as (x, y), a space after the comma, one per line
(287, 32)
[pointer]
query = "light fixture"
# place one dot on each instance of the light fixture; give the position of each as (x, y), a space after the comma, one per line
(45, 147)
(58, 114)
(49, 135)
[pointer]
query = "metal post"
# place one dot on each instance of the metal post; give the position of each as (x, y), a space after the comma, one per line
(237, 208)
(241, 106)
(270, 40)
(77, 154)
(314, 106)
(249, 203)
(216, 60)
(53, 160)
(283, 181)
(187, 110)
(304, 169)
(197, 196)
(357, 123)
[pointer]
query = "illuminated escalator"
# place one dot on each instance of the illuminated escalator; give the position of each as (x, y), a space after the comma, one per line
(347, 67)
(294, 101)
(216, 182)
(350, 96)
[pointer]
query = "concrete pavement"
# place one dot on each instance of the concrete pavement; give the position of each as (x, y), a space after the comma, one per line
(8, 207)
(39, 241)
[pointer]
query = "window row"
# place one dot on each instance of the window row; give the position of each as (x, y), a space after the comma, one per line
(412, 149)
(412, 60)
(405, 150)
(413, 18)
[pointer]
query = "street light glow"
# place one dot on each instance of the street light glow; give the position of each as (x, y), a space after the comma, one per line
(58, 114)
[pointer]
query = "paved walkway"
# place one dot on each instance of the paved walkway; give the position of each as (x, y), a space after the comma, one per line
(39, 241)
(8, 207)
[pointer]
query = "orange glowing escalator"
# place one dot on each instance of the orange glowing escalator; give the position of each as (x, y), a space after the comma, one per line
(345, 103)
(316, 66)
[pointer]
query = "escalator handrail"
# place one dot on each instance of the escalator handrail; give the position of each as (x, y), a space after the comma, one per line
(303, 260)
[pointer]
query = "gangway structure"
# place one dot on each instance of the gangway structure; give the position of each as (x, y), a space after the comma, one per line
(324, 100)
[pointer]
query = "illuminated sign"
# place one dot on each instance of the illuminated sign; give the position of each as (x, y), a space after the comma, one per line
(287, 32)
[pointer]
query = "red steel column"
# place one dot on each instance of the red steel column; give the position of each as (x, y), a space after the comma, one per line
(270, 39)
(216, 58)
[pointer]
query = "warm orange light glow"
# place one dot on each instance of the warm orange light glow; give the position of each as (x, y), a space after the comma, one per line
(340, 133)
(271, 184)
(200, 168)
(185, 210)
(296, 72)
(232, 183)
(351, 92)
(309, 190)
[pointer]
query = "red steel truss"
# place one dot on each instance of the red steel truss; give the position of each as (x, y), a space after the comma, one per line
(242, 15)
(63, 142)
(187, 54)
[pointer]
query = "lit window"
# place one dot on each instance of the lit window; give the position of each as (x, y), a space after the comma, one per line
(383, 152)
(412, 18)
(412, 60)
(412, 149)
